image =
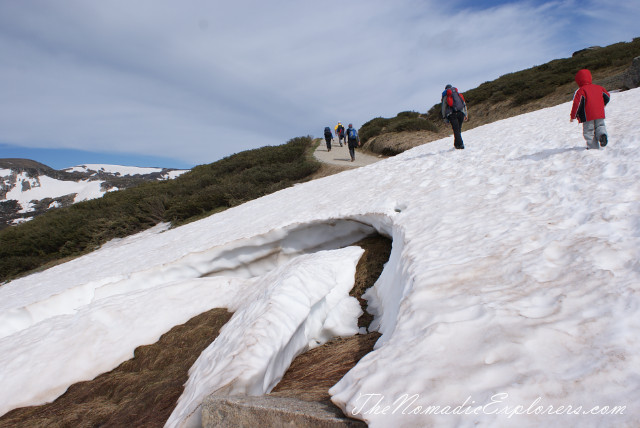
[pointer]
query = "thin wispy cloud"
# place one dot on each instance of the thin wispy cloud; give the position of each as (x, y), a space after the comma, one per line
(197, 81)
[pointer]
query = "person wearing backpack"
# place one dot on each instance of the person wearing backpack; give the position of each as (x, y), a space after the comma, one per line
(588, 107)
(328, 136)
(340, 133)
(353, 141)
(454, 111)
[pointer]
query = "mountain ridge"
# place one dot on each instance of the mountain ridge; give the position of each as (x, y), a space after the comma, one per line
(20, 177)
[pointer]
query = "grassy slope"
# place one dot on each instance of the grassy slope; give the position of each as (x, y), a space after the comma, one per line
(516, 93)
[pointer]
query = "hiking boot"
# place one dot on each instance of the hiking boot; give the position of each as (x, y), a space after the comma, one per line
(603, 140)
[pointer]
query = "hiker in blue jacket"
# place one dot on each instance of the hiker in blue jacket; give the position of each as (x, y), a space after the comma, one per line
(353, 141)
(454, 111)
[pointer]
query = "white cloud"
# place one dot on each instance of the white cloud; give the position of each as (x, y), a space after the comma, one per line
(201, 80)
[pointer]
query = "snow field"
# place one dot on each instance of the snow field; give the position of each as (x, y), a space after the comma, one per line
(528, 280)
(299, 305)
(210, 276)
(122, 170)
(98, 336)
(47, 187)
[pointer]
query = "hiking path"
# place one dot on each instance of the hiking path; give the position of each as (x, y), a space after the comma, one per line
(340, 155)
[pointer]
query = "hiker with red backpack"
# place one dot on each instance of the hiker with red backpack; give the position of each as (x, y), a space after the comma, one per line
(588, 107)
(454, 111)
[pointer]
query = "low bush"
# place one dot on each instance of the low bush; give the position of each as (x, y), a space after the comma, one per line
(411, 124)
(372, 128)
(404, 121)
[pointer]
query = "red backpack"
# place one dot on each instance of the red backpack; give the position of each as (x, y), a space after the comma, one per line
(455, 99)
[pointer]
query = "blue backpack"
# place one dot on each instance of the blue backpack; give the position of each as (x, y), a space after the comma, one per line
(352, 134)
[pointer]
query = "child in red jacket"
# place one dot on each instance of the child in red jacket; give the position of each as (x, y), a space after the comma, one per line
(588, 107)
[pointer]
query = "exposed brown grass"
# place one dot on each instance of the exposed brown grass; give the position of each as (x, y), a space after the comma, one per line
(312, 373)
(141, 392)
(391, 144)
(376, 253)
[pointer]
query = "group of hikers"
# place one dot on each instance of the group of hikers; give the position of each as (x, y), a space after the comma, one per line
(349, 136)
(589, 102)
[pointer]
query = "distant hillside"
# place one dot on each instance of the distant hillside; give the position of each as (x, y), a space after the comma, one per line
(82, 227)
(29, 188)
(510, 95)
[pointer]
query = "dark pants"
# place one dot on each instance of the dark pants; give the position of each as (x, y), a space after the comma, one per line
(328, 140)
(456, 119)
(352, 148)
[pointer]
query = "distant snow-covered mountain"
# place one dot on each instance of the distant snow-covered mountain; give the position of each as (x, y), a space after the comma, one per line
(29, 188)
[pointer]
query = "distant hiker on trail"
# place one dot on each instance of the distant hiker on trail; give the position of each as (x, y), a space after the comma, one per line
(328, 136)
(588, 107)
(340, 133)
(454, 111)
(353, 141)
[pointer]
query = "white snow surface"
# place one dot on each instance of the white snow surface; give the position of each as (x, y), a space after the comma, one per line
(46, 187)
(122, 170)
(511, 297)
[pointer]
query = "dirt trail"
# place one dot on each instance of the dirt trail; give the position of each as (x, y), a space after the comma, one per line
(340, 155)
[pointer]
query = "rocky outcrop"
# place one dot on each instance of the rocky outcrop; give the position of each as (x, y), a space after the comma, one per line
(628, 79)
(267, 411)
(631, 77)
(581, 51)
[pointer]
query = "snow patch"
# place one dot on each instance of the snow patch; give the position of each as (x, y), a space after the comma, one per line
(245, 258)
(297, 306)
(103, 334)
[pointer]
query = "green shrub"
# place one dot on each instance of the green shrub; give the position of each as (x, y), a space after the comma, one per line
(404, 121)
(372, 128)
(411, 124)
(409, 114)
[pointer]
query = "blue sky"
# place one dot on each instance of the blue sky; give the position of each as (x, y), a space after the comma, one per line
(176, 84)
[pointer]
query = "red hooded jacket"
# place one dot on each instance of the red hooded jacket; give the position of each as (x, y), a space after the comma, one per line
(589, 100)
